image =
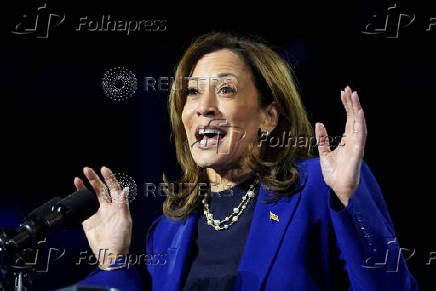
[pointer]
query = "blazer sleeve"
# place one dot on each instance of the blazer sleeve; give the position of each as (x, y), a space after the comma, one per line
(366, 239)
(127, 278)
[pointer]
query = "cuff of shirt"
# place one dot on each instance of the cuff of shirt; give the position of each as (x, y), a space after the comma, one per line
(120, 263)
(334, 201)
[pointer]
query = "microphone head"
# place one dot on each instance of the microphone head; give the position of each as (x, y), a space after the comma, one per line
(77, 207)
(53, 215)
(43, 210)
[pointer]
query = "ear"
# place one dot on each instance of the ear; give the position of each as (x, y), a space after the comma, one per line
(271, 116)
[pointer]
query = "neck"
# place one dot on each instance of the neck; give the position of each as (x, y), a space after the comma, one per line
(223, 180)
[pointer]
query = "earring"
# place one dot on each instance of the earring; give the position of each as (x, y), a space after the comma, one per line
(263, 133)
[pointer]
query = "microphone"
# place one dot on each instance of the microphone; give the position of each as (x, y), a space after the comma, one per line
(75, 208)
(53, 215)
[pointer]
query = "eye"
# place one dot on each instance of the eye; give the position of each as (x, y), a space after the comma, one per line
(226, 90)
(192, 91)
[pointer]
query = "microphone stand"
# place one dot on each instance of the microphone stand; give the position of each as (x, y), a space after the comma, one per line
(18, 265)
(19, 248)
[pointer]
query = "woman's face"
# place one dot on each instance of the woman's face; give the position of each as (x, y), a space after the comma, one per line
(222, 114)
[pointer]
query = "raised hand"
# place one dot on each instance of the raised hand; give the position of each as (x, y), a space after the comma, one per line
(341, 167)
(110, 228)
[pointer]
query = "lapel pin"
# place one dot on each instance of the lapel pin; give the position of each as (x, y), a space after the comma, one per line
(273, 216)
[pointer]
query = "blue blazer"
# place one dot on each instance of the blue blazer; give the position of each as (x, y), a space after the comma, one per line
(297, 250)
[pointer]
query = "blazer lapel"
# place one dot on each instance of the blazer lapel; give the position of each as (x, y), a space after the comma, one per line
(177, 254)
(264, 239)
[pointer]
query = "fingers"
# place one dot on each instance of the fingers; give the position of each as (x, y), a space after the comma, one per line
(79, 184)
(121, 198)
(355, 103)
(99, 187)
(105, 195)
(118, 195)
(110, 179)
(346, 101)
(356, 124)
(351, 102)
(322, 139)
(362, 131)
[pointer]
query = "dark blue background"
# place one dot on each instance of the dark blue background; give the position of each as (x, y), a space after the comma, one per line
(55, 118)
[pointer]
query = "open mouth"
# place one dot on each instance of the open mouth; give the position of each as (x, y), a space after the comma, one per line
(209, 136)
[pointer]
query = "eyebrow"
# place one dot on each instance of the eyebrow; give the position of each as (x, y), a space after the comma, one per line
(220, 75)
(225, 74)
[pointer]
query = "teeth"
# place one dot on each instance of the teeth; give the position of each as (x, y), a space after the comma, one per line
(203, 142)
(209, 130)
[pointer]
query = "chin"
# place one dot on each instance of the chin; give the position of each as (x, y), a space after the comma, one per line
(213, 160)
(205, 158)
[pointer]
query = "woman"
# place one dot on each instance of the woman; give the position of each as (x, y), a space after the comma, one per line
(272, 217)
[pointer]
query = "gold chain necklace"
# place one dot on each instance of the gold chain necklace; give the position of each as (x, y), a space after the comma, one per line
(234, 216)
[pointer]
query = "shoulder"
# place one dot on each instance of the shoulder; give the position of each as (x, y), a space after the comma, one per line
(310, 164)
(162, 230)
(314, 191)
(310, 172)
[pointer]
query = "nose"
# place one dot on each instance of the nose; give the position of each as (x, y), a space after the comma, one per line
(207, 105)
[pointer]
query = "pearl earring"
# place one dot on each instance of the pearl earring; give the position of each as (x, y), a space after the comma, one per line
(266, 133)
